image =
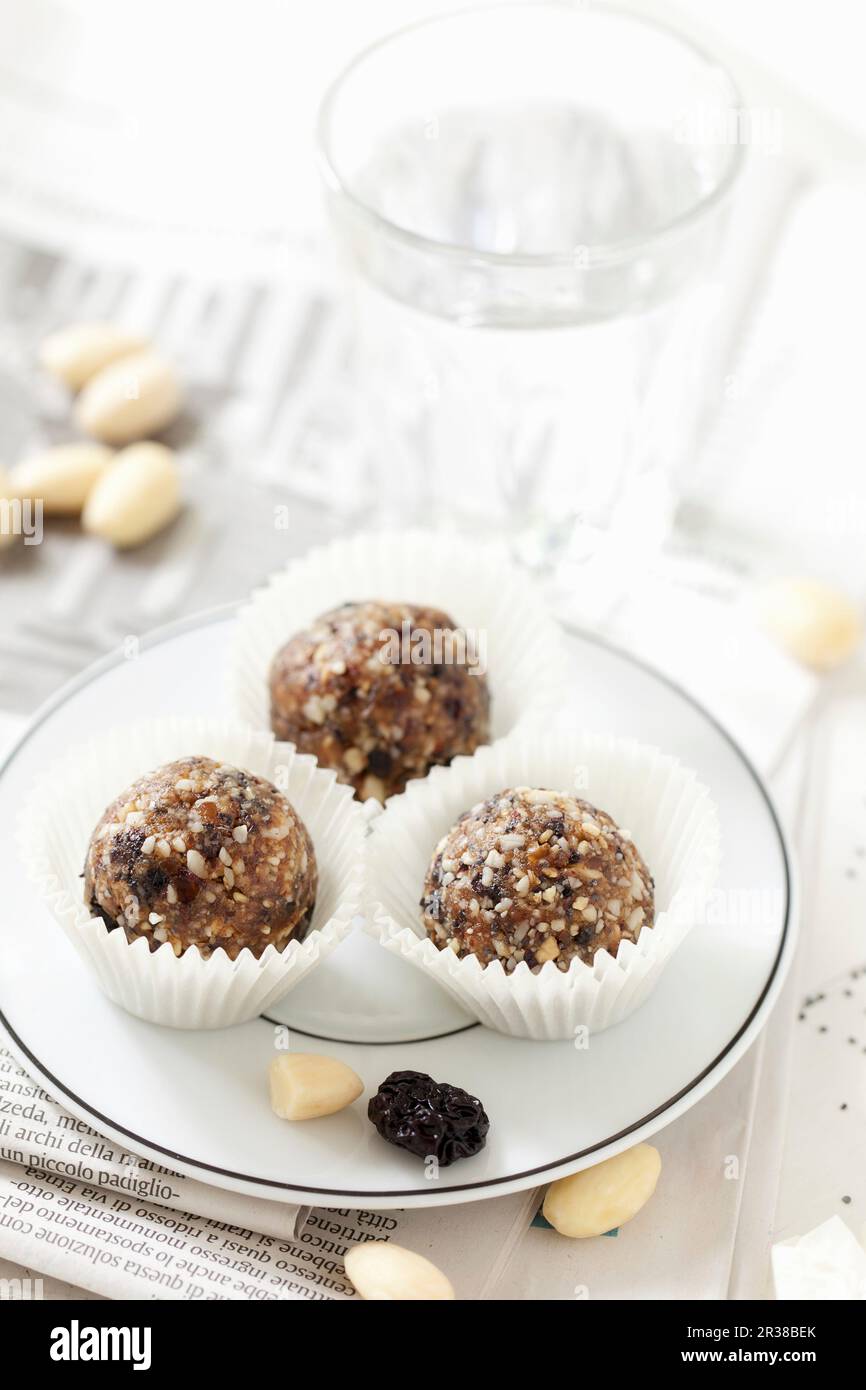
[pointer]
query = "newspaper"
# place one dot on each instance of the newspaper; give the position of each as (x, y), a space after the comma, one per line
(75, 1206)
(35, 1133)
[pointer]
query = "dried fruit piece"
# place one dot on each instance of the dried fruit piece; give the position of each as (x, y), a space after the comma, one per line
(429, 1118)
(388, 1273)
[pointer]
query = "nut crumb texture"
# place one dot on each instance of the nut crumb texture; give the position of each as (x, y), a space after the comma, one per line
(380, 692)
(533, 876)
(202, 854)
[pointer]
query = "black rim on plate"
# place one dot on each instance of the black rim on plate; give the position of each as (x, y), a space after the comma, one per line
(167, 634)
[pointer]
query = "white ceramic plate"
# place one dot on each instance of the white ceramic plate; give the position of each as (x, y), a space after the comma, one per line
(198, 1102)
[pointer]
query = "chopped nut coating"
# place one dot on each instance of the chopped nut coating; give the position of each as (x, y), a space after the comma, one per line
(156, 852)
(534, 876)
(381, 692)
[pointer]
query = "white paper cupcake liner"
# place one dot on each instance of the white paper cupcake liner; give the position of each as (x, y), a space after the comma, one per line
(476, 585)
(189, 991)
(669, 815)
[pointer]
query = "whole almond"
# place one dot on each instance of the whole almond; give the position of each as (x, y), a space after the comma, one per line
(136, 496)
(77, 353)
(130, 399)
(61, 478)
(383, 1272)
(305, 1086)
(603, 1197)
(816, 623)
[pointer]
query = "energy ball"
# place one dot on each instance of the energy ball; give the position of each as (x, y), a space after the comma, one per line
(534, 875)
(381, 692)
(202, 854)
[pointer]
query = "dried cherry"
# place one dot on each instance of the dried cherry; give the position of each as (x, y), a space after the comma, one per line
(429, 1118)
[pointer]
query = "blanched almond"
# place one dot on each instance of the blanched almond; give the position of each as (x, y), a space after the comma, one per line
(137, 396)
(605, 1196)
(61, 477)
(136, 496)
(383, 1272)
(817, 624)
(77, 353)
(305, 1086)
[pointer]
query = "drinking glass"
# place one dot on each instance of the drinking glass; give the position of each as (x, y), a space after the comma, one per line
(531, 197)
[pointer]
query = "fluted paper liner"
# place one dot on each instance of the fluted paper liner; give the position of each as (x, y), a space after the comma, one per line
(669, 815)
(189, 991)
(475, 584)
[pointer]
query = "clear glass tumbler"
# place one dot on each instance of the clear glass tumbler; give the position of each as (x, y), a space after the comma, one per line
(532, 197)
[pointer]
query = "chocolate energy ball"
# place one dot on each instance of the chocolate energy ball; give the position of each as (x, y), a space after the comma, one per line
(202, 854)
(534, 875)
(381, 692)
